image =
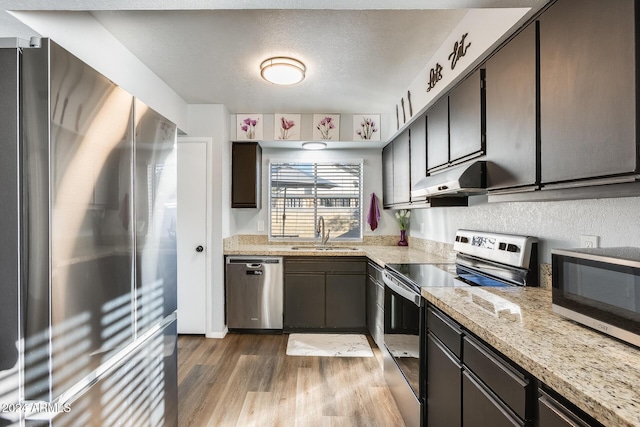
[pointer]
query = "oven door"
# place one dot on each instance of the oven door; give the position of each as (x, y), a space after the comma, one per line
(403, 323)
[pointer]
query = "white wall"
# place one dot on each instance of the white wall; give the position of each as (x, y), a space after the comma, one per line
(213, 121)
(247, 219)
(557, 224)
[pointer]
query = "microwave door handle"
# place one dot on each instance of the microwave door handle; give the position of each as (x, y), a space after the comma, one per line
(401, 290)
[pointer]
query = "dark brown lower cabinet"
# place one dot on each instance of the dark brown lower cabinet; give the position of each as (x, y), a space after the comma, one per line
(346, 296)
(471, 384)
(482, 408)
(325, 294)
(372, 293)
(554, 413)
(375, 303)
(304, 296)
(444, 391)
(494, 391)
(514, 388)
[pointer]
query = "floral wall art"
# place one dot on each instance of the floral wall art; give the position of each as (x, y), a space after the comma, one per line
(297, 127)
(366, 127)
(287, 127)
(326, 127)
(249, 127)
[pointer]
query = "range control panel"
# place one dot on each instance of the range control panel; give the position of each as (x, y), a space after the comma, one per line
(507, 249)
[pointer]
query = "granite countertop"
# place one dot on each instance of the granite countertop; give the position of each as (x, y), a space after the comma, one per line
(379, 254)
(598, 374)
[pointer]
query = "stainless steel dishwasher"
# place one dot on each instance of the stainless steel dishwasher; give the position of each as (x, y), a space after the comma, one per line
(254, 293)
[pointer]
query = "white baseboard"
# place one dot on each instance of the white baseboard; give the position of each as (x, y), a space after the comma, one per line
(221, 334)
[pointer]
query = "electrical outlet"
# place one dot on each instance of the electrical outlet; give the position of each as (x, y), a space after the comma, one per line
(589, 241)
(260, 225)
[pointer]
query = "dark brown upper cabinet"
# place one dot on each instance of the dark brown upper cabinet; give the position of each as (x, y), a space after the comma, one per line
(396, 179)
(438, 134)
(467, 119)
(401, 169)
(456, 124)
(246, 175)
(418, 154)
(387, 175)
(588, 91)
(511, 138)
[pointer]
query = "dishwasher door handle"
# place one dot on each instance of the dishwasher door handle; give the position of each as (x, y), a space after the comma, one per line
(254, 265)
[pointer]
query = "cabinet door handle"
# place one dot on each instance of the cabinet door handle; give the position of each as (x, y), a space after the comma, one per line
(199, 248)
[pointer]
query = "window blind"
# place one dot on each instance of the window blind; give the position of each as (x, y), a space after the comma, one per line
(300, 193)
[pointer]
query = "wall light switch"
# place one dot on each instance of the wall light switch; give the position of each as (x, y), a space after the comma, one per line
(260, 225)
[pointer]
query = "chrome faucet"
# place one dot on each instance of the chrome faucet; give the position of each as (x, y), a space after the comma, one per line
(320, 231)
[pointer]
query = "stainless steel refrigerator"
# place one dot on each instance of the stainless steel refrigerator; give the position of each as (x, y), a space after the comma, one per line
(87, 248)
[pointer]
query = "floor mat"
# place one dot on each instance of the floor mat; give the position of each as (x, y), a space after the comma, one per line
(330, 345)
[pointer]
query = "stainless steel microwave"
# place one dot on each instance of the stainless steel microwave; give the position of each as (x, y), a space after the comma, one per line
(600, 288)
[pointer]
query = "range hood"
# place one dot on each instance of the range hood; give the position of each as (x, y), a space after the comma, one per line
(463, 180)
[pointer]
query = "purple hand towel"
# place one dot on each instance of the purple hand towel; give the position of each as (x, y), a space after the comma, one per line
(374, 212)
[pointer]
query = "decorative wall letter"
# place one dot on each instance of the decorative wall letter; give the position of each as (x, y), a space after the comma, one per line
(459, 50)
(435, 75)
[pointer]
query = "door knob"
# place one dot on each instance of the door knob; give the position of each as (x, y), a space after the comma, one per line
(199, 248)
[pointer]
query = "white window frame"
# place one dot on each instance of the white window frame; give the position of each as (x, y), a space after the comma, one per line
(275, 238)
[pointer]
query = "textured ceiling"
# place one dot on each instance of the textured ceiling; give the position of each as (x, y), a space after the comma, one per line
(357, 61)
(360, 55)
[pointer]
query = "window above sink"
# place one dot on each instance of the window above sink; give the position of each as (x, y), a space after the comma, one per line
(301, 193)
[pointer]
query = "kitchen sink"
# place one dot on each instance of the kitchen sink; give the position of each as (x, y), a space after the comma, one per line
(323, 248)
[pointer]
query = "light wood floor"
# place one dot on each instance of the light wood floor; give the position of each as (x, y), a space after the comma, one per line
(247, 380)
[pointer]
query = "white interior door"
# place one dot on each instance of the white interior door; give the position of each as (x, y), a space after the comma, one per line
(192, 236)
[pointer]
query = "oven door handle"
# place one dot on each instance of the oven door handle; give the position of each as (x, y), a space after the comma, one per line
(400, 289)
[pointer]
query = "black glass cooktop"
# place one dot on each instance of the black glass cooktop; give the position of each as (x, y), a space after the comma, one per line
(427, 275)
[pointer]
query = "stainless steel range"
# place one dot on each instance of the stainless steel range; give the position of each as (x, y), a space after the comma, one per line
(482, 259)
(492, 259)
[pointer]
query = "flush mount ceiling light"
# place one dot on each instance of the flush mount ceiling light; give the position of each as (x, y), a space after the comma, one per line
(281, 70)
(314, 145)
